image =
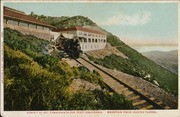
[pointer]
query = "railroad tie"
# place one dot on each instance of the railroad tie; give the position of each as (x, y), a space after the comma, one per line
(145, 94)
(132, 86)
(167, 107)
(106, 79)
(112, 83)
(118, 86)
(128, 83)
(147, 107)
(104, 76)
(134, 98)
(139, 102)
(138, 90)
(118, 91)
(152, 98)
(159, 103)
(128, 93)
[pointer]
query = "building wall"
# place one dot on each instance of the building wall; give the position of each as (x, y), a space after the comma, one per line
(88, 41)
(54, 36)
(27, 30)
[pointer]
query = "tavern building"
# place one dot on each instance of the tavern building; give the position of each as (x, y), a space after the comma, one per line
(26, 24)
(89, 39)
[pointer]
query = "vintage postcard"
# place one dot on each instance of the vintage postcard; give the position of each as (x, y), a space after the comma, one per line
(89, 58)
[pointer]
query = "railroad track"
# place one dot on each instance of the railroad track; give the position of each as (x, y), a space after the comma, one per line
(141, 101)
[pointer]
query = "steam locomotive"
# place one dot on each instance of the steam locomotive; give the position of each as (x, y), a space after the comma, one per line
(70, 46)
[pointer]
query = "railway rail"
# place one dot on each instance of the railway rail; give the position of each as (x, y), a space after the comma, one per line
(141, 101)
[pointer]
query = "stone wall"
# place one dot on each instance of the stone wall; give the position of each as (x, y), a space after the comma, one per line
(89, 46)
(30, 31)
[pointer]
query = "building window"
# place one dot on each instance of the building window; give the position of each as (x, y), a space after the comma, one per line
(80, 33)
(101, 40)
(85, 40)
(92, 40)
(32, 26)
(85, 46)
(104, 40)
(52, 37)
(23, 24)
(5, 21)
(80, 39)
(40, 27)
(89, 40)
(82, 46)
(12, 22)
(95, 40)
(46, 29)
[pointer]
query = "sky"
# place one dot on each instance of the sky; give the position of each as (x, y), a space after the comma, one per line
(133, 23)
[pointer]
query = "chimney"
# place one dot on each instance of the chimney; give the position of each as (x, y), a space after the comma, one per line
(32, 13)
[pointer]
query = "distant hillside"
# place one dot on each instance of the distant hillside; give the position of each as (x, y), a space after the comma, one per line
(169, 60)
(64, 21)
(136, 64)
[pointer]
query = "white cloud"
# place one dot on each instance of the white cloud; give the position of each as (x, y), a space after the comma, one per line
(124, 19)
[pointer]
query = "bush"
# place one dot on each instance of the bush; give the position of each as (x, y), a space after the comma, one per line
(45, 60)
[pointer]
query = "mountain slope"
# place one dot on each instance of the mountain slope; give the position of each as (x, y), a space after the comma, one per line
(65, 22)
(38, 81)
(136, 64)
(169, 59)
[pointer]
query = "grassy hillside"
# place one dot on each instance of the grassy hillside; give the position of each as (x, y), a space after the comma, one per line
(50, 20)
(64, 22)
(35, 81)
(136, 65)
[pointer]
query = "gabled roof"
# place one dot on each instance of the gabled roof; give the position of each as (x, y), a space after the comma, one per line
(79, 29)
(15, 14)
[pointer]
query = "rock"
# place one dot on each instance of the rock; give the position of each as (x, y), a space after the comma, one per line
(155, 82)
(147, 76)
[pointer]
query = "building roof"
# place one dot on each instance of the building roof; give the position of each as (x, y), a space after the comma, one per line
(78, 28)
(15, 14)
